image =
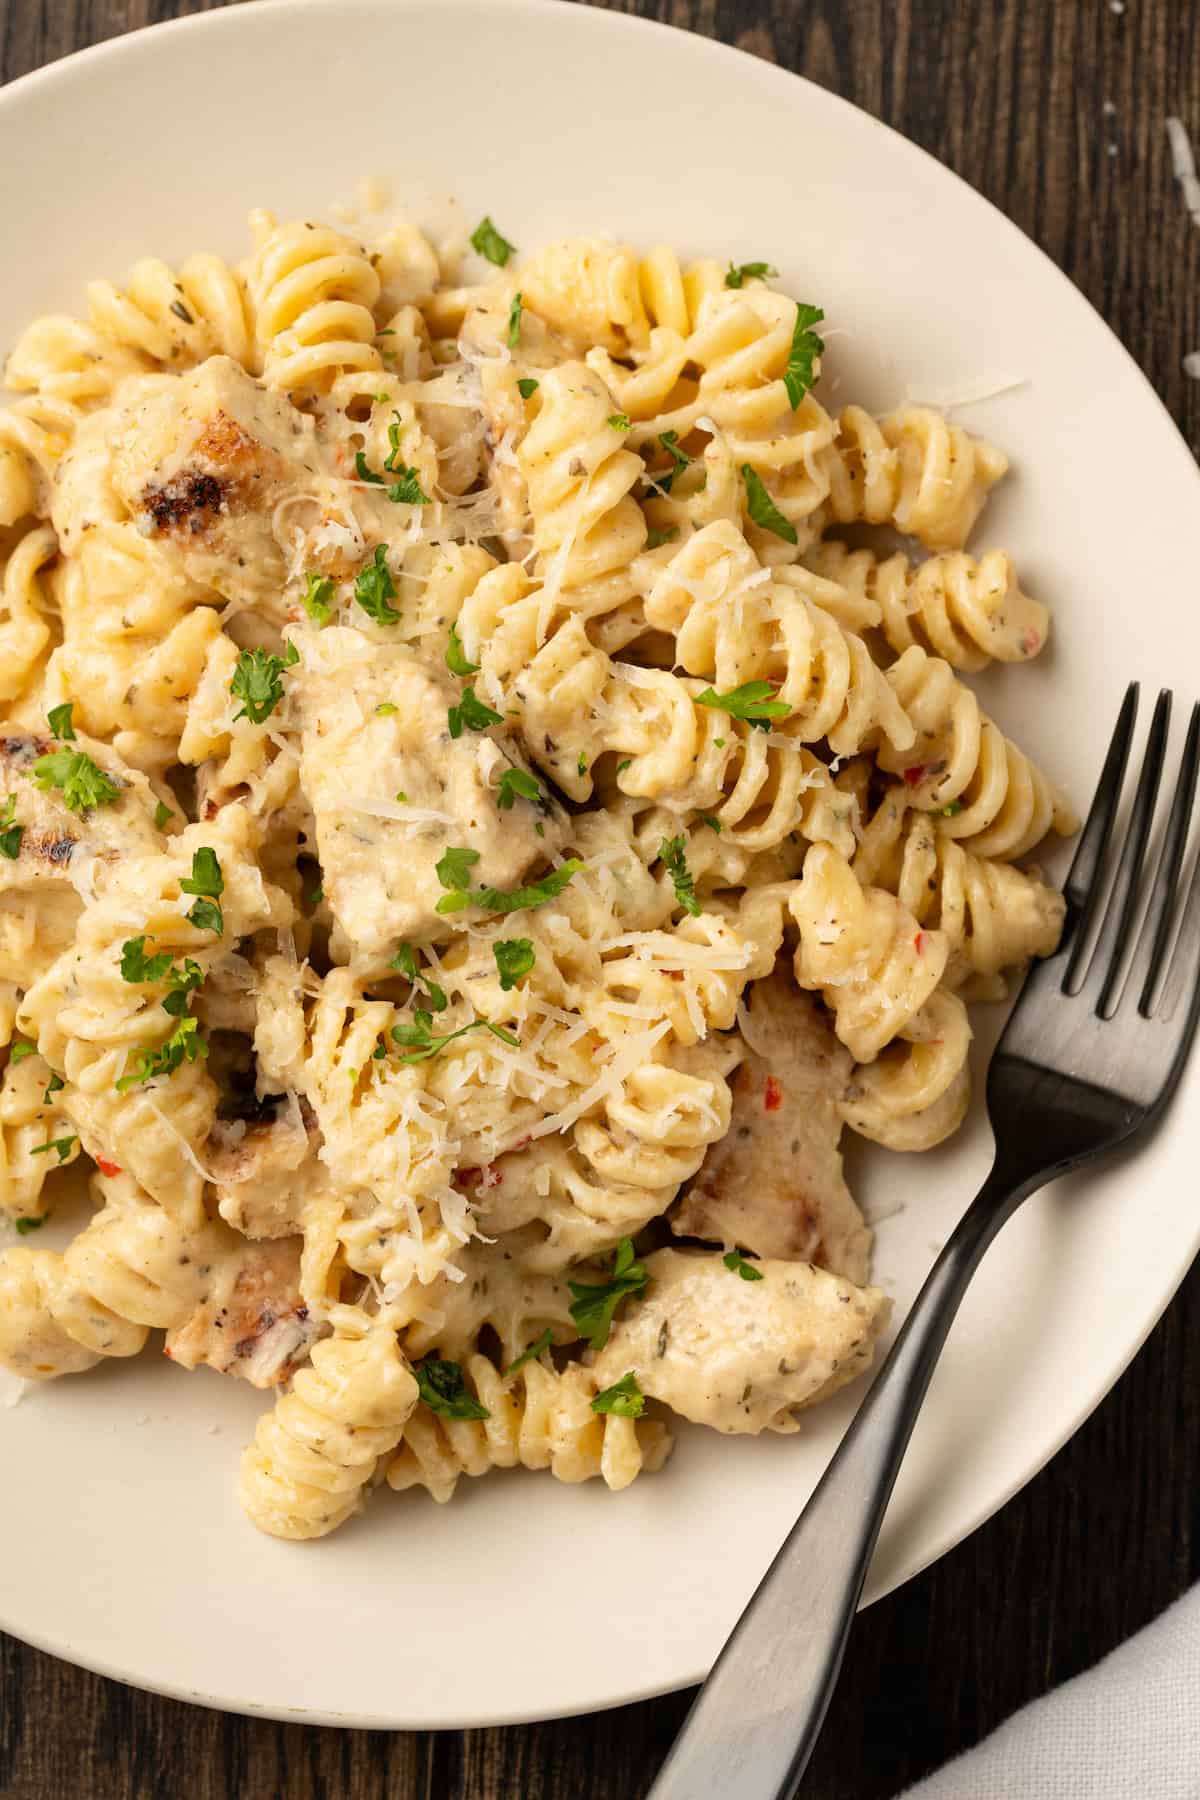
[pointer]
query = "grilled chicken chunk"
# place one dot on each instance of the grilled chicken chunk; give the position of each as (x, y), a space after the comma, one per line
(251, 1322)
(774, 1183)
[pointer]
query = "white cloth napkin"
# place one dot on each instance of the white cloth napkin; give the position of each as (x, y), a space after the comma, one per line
(1129, 1729)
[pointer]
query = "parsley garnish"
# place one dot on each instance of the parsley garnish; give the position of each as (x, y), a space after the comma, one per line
(952, 810)
(453, 868)
(736, 1263)
(626, 762)
(83, 785)
(672, 854)
(762, 508)
(806, 347)
(444, 1390)
(257, 682)
(714, 824)
(657, 539)
(19, 1049)
(527, 386)
(374, 587)
(499, 900)
(754, 701)
(514, 321)
(595, 1305)
(456, 658)
(55, 1085)
(181, 982)
(137, 966)
(25, 1226)
(162, 812)
(10, 834)
(385, 709)
(472, 713)
(514, 958)
(421, 1042)
(206, 879)
(60, 721)
(184, 1045)
(62, 1145)
(314, 897)
(488, 241)
(624, 1397)
(670, 443)
(619, 421)
(538, 1347)
(317, 598)
(407, 491)
(737, 273)
(514, 782)
(405, 963)
(581, 767)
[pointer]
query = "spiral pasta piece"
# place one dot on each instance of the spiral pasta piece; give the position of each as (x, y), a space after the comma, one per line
(968, 612)
(912, 469)
(587, 527)
(316, 1451)
(863, 952)
(996, 917)
(35, 434)
(24, 632)
(30, 1121)
(917, 1090)
(538, 1419)
(176, 319)
(989, 795)
(312, 292)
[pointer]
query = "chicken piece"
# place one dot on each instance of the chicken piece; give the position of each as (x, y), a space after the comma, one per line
(391, 791)
(260, 1168)
(743, 1356)
(774, 1183)
(62, 856)
(251, 1321)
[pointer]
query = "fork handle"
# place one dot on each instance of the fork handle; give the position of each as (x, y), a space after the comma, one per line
(753, 1726)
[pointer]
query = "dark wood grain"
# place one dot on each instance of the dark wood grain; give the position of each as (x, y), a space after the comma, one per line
(1012, 96)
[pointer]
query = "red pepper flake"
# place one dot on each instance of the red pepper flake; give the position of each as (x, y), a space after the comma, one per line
(474, 1176)
(107, 1168)
(1031, 642)
(772, 1095)
(916, 775)
(523, 1143)
(919, 942)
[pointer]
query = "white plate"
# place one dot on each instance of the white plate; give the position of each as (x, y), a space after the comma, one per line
(124, 1547)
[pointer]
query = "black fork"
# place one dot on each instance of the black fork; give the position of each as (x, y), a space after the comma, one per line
(1089, 1058)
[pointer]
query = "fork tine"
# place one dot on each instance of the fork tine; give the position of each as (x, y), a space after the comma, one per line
(1147, 967)
(1183, 981)
(1089, 857)
(1115, 932)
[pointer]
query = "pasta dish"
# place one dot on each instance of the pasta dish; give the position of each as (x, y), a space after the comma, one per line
(488, 793)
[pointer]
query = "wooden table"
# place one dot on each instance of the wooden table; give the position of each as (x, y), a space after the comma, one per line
(1056, 112)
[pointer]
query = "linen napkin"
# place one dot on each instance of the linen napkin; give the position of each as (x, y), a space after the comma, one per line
(1129, 1729)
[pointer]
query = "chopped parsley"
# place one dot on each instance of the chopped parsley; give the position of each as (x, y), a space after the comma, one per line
(314, 897)
(736, 1263)
(55, 1085)
(162, 812)
(374, 587)
(19, 1049)
(762, 508)
(581, 767)
(10, 833)
(500, 900)
(456, 658)
(62, 1145)
(405, 963)
(670, 443)
(25, 1226)
(407, 489)
(514, 321)
(738, 273)
(514, 782)
(488, 241)
(656, 539)
(206, 880)
(83, 784)
(385, 709)
(60, 721)
(184, 1045)
(317, 598)
(619, 421)
(595, 1304)
(471, 713)
(257, 682)
(514, 959)
(454, 868)
(952, 810)
(137, 966)
(444, 1390)
(538, 1348)
(672, 854)
(806, 347)
(626, 762)
(754, 701)
(527, 386)
(624, 1397)
(421, 1042)
(713, 823)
